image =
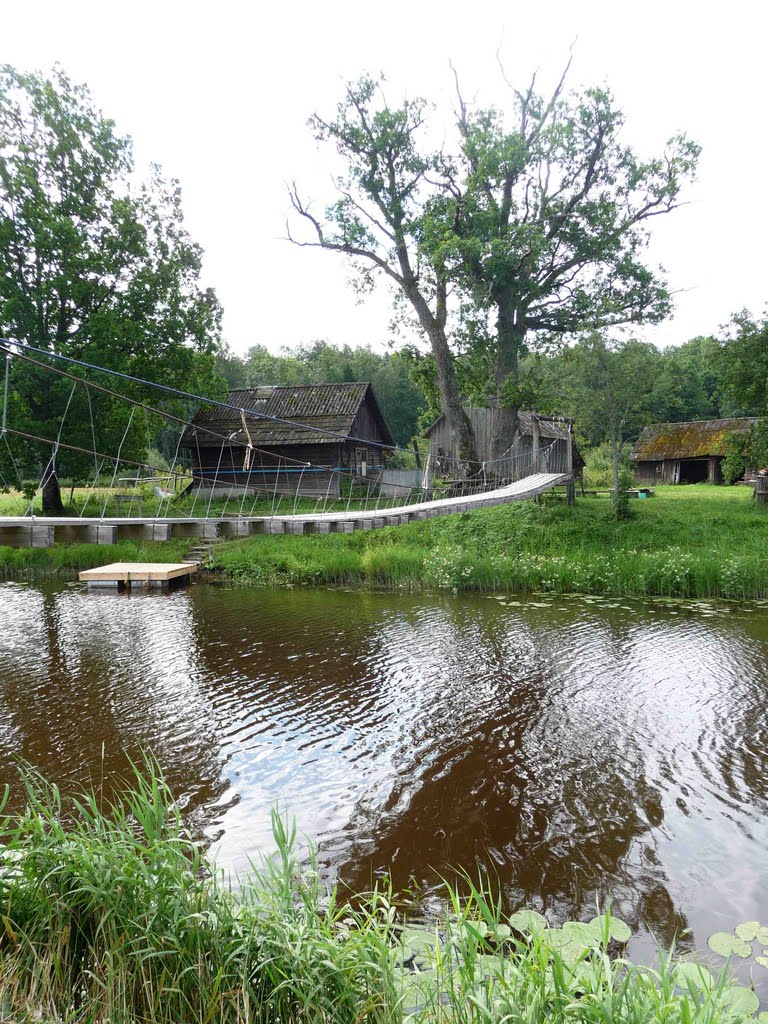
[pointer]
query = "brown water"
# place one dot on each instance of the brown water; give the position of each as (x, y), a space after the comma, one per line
(572, 748)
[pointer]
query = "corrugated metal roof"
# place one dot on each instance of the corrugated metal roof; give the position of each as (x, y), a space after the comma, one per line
(689, 440)
(320, 407)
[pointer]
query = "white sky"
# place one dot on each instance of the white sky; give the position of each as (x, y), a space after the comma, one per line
(219, 94)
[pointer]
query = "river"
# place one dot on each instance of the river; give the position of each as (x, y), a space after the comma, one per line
(571, 749)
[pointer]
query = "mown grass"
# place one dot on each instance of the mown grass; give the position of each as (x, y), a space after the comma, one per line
(685, 542)
(112, 912)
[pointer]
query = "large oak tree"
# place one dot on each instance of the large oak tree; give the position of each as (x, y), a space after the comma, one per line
(534, 220)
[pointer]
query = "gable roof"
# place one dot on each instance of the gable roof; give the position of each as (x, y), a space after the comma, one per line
(303, 412)
(688, 440)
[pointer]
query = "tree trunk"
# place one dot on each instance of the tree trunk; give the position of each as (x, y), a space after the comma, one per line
(510, 339)
(459, 428)
(52, 503)
(616, 464)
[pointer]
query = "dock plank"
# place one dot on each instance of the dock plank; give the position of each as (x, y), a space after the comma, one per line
(140, 572)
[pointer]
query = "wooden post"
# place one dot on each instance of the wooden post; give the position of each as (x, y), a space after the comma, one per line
(761, 490)
(571, 482)
(536, 443)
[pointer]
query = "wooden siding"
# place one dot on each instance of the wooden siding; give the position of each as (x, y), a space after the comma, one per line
(676, 471)
(272, 472)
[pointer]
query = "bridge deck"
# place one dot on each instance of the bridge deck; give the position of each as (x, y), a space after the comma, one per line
(45, 530)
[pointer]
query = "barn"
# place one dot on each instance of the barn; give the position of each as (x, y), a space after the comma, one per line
(297, 436)
(685, 453)
(533, 431)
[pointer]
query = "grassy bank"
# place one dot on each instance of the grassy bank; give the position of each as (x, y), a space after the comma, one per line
(64, 561)
(685, 542)
(697, 541)
(120, 916)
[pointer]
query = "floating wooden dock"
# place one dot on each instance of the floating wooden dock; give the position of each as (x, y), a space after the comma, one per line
(157, 575)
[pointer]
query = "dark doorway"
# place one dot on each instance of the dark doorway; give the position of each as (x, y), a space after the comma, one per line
(694, 471)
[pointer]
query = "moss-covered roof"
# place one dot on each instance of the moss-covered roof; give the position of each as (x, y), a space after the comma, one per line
(690, 440)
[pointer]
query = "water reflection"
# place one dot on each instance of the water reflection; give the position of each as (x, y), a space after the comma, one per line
(572, 750)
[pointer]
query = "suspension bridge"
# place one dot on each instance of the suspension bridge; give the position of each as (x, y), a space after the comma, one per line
(188, 504)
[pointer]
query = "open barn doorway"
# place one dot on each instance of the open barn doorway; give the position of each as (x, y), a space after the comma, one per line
(694, 471)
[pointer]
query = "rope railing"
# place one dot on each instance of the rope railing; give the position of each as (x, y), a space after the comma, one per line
(269, 478)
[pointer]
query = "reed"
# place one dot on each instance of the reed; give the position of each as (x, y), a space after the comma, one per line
(113, 912)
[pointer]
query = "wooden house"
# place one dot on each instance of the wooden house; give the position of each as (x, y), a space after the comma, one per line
(545, 432)
(684, 453)
(298, 436)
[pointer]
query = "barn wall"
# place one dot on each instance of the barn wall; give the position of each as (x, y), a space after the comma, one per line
(279, 470)
(645, 474)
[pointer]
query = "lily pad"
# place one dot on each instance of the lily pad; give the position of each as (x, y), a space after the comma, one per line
(726, 943)
(748, 930)
(762, 960)
(555, 938)
(416, 943)
(740, 1000)
(762, 1017)
(762, 936)
(689, 974)
(527, 921)
(618, 930)
(585, 935)
(416, 989)
(572, 952)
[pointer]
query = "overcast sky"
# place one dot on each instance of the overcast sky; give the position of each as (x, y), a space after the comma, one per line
(219, 95)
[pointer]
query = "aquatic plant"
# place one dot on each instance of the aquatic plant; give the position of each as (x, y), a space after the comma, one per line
(111, 911)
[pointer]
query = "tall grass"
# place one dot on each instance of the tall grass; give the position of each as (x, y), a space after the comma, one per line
(112, 912)
(686, 542)
(64, 561)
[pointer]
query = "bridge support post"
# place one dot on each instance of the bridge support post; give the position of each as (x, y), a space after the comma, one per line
(318, 526)
(235, 528)
(101, 534)
(570, 487)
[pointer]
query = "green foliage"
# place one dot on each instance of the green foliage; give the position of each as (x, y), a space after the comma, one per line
(598, 467)
(95, 264)
(113, 910)
(744, 364)
(686, 543)
(745, 450)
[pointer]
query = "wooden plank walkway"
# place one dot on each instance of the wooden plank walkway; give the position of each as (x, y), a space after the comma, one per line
(41, 531)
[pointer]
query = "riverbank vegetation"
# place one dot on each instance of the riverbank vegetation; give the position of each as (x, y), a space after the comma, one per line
(697, 541)
(64, 561)
(112, 911)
